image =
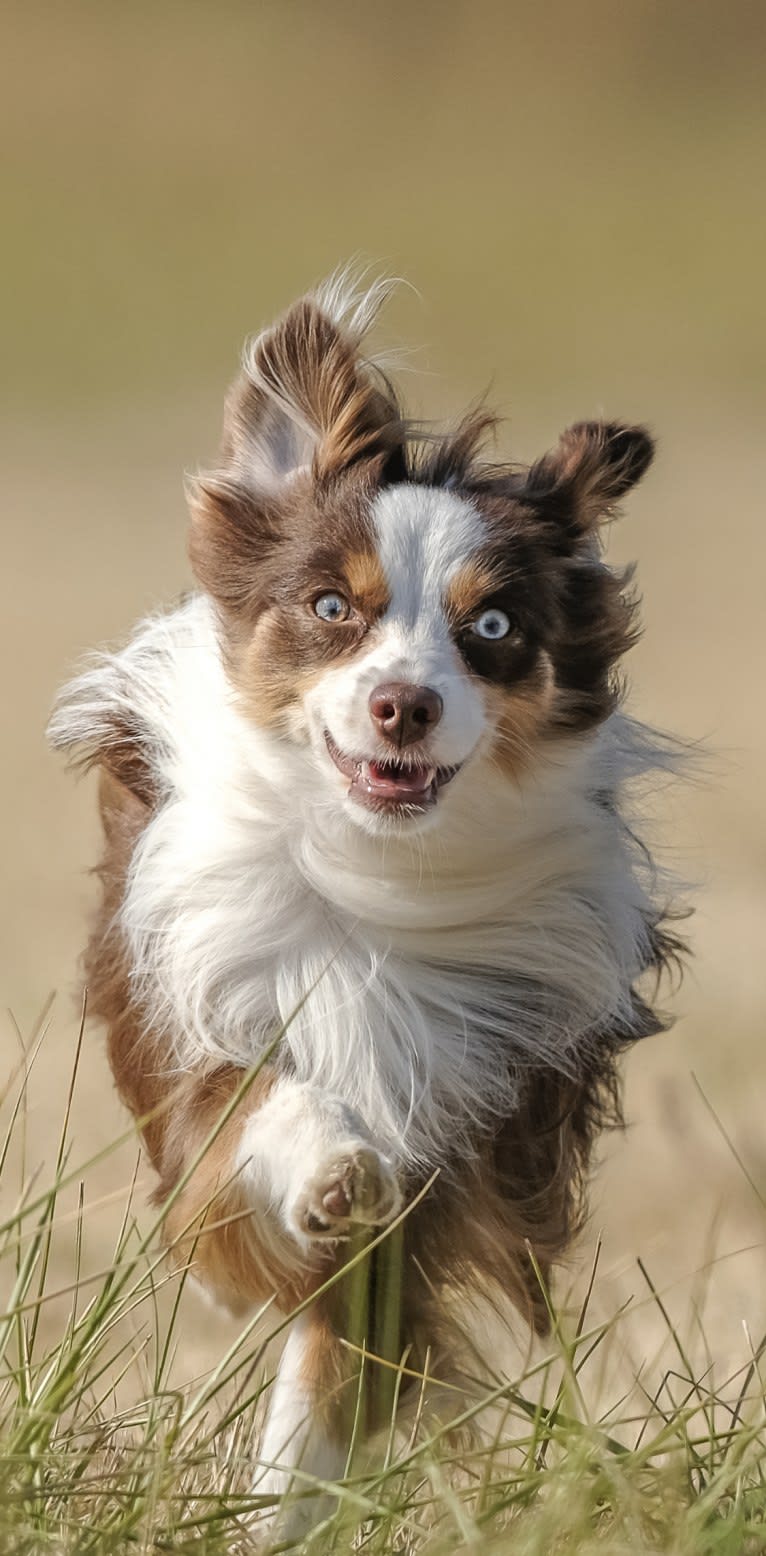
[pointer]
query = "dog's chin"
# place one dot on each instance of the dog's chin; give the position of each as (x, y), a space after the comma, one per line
(390, 791)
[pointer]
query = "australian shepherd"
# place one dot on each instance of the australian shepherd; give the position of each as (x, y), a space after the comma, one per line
(375, 915)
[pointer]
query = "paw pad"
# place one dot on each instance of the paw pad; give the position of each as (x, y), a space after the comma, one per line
(354, 1187)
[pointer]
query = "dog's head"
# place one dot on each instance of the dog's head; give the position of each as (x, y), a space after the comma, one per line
(390, 602)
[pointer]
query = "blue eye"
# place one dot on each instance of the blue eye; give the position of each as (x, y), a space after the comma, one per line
(332, 607)
(492, 624)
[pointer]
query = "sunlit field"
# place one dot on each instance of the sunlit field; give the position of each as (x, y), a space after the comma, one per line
(105, 1448)
(575, 196)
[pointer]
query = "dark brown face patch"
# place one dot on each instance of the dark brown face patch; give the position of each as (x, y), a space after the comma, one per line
(507, 575)
(516, 670)
(278, 645)
(571, 619)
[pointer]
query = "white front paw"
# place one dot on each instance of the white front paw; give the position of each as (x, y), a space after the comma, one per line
(353, 1185)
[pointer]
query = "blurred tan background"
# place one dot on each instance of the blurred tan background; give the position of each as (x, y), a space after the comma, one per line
(575, 191)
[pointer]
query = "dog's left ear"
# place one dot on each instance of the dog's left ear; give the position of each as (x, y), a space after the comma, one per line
(594, 464)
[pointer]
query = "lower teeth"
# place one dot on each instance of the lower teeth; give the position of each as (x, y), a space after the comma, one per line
(397, 775)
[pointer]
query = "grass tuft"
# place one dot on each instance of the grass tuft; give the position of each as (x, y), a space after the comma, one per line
(103, 1454)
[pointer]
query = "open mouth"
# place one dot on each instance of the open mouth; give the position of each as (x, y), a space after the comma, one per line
(390, 784)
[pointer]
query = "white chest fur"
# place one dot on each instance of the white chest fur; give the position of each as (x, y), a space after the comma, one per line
(413, 976)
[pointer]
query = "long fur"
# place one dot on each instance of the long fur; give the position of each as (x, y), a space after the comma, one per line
(453, 998)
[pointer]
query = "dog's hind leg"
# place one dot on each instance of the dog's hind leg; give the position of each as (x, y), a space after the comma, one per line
(312, 1160)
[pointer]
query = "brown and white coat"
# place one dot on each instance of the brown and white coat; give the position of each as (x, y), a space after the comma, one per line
(455, 972)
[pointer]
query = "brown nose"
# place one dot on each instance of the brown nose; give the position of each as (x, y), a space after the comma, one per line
(403, 713)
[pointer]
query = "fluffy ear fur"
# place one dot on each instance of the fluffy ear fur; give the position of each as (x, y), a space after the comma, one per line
(306, 398)
(306, 403)
(591, 468)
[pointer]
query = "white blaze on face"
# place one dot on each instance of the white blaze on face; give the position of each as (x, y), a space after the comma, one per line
(424, 536)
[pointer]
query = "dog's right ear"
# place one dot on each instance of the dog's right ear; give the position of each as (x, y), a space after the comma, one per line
(306, 404)
(307, 398)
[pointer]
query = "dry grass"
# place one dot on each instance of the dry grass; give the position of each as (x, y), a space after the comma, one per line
(103, 1451)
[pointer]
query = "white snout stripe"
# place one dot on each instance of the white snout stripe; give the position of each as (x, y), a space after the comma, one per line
(424, 536)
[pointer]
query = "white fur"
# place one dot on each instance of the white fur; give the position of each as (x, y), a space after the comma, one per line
(292, 1441)
(415, 973)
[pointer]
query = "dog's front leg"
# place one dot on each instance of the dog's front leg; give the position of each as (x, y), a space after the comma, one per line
(311, 1159)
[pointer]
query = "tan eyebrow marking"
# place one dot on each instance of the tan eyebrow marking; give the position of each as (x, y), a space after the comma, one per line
(469, 588)
(367, 582)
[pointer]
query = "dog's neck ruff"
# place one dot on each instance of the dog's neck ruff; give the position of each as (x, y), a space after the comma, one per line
(416, 976)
